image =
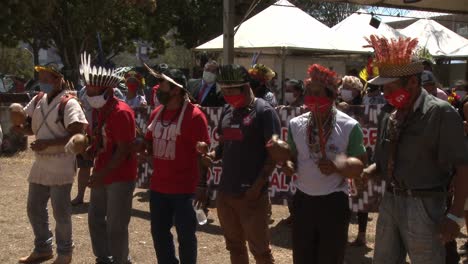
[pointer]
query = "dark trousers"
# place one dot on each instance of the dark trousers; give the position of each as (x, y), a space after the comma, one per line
(168, 210)
(320, 228)
(362, 218)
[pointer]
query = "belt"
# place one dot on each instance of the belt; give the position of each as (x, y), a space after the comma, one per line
(437, 191)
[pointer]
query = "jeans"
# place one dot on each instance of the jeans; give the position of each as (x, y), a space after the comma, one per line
(245, 220)
(409, 225)
(109, 214)
(38, 217)
(320, 228)
(168, 210)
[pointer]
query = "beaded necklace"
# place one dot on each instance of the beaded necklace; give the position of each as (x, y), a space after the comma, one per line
(318, 132)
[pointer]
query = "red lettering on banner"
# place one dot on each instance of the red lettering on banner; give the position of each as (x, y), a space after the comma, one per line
(217, 174)
(284, 185)
(284, 133)
(370, 136)
(274, 182)
(373, 136)
(215, 135)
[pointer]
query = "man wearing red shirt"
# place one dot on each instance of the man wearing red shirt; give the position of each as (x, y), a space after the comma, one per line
(115, 167)
(174, 129)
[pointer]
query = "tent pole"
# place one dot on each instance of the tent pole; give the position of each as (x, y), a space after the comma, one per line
(283, 72)
(228, 32)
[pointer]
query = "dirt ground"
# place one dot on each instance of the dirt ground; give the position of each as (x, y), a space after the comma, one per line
(16, 238)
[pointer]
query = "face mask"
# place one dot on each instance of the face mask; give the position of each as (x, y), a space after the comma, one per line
(163, 97)
(132, 86)
(398, 98)
(347, 95)
(209, 77)
(317, 103)
(46, 87)
(236, 101)
(97, 101)
(461, 93)
(289, 97)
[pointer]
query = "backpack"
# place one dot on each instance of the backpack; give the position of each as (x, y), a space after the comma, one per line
(63, 102)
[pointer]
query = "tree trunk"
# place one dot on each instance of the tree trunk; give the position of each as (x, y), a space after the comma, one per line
(35, 51)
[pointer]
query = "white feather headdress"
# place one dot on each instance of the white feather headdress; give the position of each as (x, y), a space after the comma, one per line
(99, 77)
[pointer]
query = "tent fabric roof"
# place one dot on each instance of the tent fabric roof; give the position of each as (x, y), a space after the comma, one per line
(439, 40)
(450, 6)
(280, 25)
(350, 33)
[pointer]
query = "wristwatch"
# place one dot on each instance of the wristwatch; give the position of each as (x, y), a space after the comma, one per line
(460, 221)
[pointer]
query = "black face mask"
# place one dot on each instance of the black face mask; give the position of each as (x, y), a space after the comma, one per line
(163, 97)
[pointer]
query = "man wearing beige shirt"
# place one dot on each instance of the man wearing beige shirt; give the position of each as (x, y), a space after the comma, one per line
(53, 170)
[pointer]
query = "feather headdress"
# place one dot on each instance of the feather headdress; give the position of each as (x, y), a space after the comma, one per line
(322, 76)
(261, 73)
(98, 77)
(395, 58)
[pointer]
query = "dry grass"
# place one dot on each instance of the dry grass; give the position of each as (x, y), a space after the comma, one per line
(16, 237)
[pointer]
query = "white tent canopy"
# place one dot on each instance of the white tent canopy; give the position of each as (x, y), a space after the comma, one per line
(282, 25)
(350, 33)
(439, 40)
(461, 52)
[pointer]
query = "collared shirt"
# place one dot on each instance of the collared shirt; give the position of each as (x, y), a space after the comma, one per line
(431, 144)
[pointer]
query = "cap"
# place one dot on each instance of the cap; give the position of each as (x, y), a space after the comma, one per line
(49, 67)
(427, 77)
(352, 82)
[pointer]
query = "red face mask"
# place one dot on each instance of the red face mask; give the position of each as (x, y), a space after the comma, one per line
(317, 103)
(236, 101)
(132, 86)
(399, 98)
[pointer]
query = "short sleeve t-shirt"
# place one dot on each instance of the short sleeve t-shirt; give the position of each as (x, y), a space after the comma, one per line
(175, 159)
(119, 126)
(245, 133)
(346, 138)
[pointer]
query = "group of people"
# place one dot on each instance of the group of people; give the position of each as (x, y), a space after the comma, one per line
(420, 152)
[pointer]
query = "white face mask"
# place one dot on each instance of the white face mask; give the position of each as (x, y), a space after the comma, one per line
(347, 95)
(209, 77)
(97, 101)
(289, 97)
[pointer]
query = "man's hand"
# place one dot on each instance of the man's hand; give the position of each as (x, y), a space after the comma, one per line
(288, 169)
(96, 180)
(39, 145)
(17, 129)
(201, 197)
(448, 230)
(327, 167)
(206, 160)
(202, 147)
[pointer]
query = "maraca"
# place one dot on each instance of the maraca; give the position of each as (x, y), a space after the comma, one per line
(17, 114)
(279, 150)
(77, 144)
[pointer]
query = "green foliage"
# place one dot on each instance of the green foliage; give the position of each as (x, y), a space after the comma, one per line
(16, 62)
(72, 26)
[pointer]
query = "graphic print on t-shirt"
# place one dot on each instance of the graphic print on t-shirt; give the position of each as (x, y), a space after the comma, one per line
(164, 141)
